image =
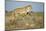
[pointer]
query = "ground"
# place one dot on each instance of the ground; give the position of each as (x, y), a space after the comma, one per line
(26, 21)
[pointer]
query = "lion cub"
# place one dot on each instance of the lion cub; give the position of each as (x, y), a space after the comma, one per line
(23, 10)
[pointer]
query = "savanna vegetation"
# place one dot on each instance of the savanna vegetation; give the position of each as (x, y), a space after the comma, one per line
(23, 21)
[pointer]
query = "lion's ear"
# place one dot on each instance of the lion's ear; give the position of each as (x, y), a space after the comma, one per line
(30, 6)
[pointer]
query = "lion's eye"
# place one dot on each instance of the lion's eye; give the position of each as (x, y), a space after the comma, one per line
(27, 12)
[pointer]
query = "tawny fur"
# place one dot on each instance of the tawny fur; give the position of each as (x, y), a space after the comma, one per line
(23, 10)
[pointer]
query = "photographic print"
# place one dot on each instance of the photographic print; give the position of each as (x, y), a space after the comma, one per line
(23, 15)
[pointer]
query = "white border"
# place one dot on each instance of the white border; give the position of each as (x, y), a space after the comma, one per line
(2, 15)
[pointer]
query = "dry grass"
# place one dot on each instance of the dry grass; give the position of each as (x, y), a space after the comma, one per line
(26, 22)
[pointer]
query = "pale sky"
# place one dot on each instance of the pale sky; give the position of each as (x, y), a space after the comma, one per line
(36, 6)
